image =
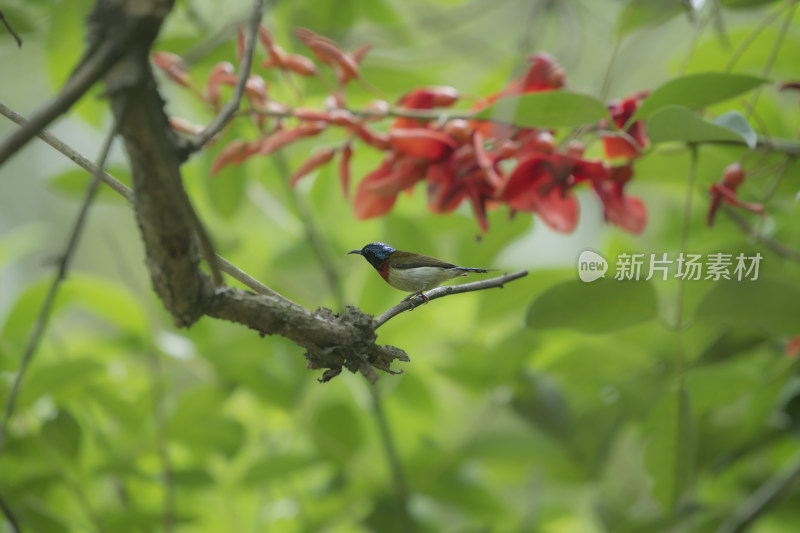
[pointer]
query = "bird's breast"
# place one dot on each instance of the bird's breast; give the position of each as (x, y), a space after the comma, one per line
(420, 278)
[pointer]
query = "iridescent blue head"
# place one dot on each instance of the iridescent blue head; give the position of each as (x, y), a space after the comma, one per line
(376, 253)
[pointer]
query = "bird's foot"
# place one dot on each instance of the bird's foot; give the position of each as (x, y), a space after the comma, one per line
(412, 295)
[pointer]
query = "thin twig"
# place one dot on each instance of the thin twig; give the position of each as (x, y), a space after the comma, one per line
(44, 312)
(771, 244)
(127, 193)
(230, 108)
(766, 495)
(395, 465)
(766, 21)
(786, 146)
(772, 55)
(219, 122)
(72, 154)
(439, 292)
(606, 86)
(10, 29)
(244, 278)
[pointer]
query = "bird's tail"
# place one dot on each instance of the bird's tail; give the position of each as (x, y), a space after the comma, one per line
(467, 269)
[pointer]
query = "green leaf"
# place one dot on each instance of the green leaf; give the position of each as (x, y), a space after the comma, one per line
(21, 241)
(763, 304)
(546, 110)
(466, 494)
(599, 307)
(212, 433)
(732, 342)
(192, 478)
(198, 422)
(336, 431)
(678, 124)
(58, 378)
(703, 383)
(670, 455)
(62, 434)
(226, 189)
(640, 13)
(745, 3)
(697, 91)
(542, 403)
(107, 300)
(275, 466)
(73, 184)
(734, 121)
(38, 517)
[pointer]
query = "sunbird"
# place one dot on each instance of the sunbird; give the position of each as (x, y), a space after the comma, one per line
(409, 271)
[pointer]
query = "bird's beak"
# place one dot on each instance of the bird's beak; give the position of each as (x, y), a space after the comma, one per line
(354, 252)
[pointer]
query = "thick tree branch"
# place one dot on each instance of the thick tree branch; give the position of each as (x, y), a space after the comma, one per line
(382, 356)
(440, 292)
(164, 212)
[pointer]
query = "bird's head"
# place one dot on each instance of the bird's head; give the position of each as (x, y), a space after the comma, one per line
(376, 253)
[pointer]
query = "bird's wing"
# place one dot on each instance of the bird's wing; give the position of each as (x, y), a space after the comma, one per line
(400, 259)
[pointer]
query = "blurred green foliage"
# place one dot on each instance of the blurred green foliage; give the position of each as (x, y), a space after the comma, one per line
(550, 405)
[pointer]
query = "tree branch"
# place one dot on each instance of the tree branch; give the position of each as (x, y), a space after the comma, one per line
(381, 355)
(440, 292)
(776, 144)
(331, 341)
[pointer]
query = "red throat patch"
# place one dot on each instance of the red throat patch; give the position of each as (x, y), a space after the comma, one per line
(384, 271)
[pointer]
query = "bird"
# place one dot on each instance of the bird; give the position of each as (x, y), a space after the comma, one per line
(409, 271)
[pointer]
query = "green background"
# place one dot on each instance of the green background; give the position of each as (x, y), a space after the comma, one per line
(548, 405)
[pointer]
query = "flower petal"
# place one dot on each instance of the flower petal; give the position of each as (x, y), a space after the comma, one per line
(320, 158)
(366, 203)
(421, 143)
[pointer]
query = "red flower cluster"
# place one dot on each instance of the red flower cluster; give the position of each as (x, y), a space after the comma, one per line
(482, 162)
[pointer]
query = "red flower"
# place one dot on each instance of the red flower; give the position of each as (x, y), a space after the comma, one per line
(542, 183)
(621, 113)
(173, 66)
(424, 98)
(732, 177)
(627, 212)
(378, 191)
(793, 347)
(544, 74)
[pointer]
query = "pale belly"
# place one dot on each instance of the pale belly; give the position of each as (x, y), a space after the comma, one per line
(420, 279)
